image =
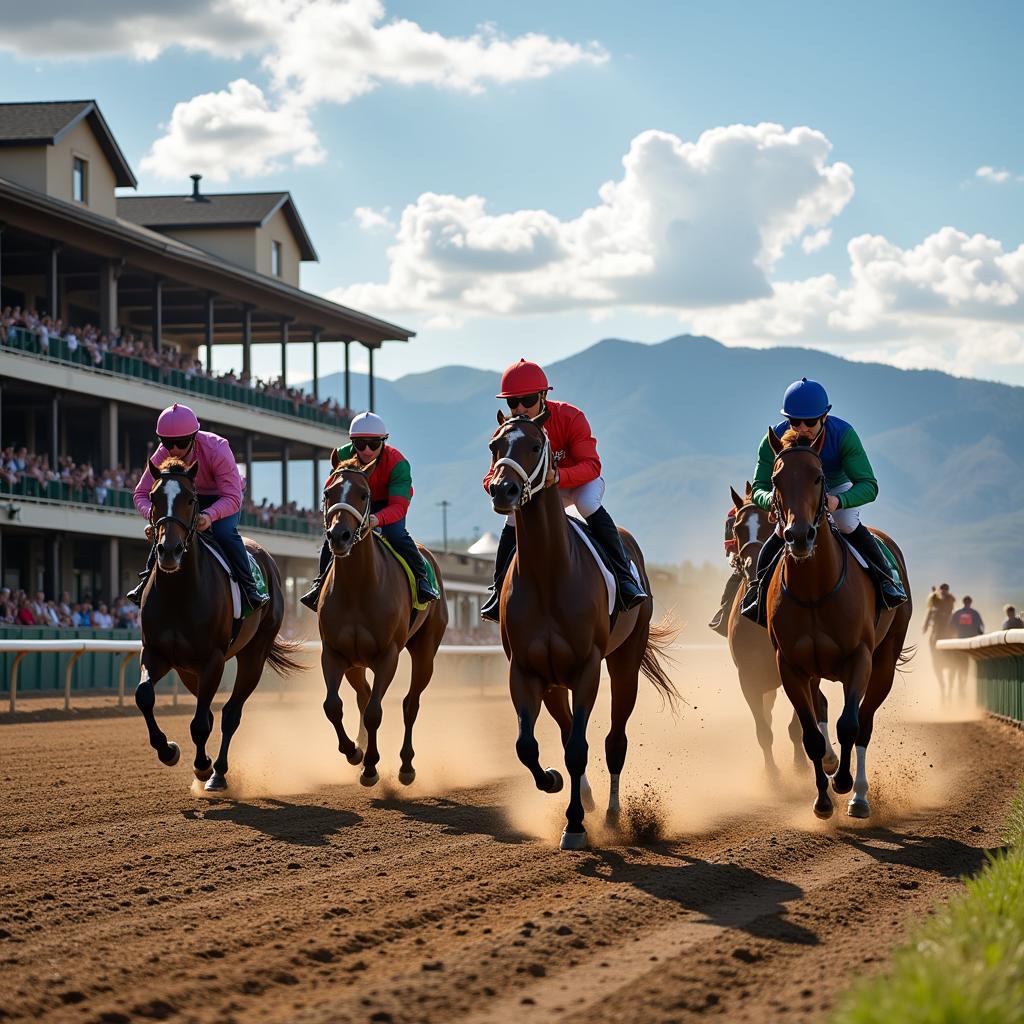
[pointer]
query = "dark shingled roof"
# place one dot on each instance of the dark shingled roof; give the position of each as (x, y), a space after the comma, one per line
(43, 124)
(238, 209)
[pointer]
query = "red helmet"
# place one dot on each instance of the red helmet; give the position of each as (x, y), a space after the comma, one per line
(522, 378)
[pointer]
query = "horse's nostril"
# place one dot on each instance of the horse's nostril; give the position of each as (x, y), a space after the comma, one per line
(160, 549)
(788, 535)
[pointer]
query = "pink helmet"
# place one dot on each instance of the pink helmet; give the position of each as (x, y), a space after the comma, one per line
(177, 421)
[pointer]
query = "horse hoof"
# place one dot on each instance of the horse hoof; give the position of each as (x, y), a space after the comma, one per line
(173, 757)
(858, 808)
(407, 778)
(202, 774)
(573, 841)
(842, 783)
(823, 809)
(554, 781)
(356, 757)
(369, 780)
(830, 765)
(216, 783)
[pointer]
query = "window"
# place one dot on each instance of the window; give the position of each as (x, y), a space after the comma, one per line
(79, 183)
(275, 259)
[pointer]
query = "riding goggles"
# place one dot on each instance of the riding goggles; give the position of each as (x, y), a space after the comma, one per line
(362, 443)
(526, 401)
(177, 442)
(795, 421)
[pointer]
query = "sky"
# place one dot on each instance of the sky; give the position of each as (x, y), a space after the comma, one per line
(524, 180)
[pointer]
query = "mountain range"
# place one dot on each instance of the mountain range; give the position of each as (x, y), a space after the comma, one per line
(679, 422)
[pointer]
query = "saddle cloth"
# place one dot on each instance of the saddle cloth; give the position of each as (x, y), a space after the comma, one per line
(609, 579)
(417, 604)
(894, 566)
(236, 593)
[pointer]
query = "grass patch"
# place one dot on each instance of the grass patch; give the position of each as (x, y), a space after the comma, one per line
(965, 965)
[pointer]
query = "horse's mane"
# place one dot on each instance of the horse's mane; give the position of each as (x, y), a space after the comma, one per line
(350, 463)
(791, 439)
(172, 464)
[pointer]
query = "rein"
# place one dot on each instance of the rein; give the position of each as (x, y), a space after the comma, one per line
(540, 471)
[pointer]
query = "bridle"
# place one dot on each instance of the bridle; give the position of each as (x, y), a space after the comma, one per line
(738, 556)
(540, 471)
(363, 517)
(189, 527)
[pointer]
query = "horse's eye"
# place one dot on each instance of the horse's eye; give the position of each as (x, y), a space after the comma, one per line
(818, 481)
(536, 447)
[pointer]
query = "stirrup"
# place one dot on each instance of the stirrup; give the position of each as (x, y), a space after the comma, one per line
(311, 598)
(490, 609)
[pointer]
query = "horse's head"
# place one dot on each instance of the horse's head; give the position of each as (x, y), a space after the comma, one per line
(798, 479)
(346, 508)
(520, 459)
(751, 527)
(174, 511)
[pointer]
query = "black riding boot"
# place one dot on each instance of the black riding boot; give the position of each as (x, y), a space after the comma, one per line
(311, 598)
(720, 623)
(135, 594)
(502, 560)
(404, 544)
(630, 592)
(766, 560)
(893, 594)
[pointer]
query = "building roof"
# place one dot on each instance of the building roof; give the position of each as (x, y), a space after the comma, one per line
(43, 124)
(220, 210)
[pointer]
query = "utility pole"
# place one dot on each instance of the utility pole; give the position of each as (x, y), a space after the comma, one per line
(444, 504)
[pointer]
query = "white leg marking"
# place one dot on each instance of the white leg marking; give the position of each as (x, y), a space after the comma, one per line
(586, 794)
(830, 753)
(613, 795)
(860, 784)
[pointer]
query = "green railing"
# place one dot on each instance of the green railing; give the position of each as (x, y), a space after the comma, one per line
(22, 340)
(1001, 686)
(289, 524)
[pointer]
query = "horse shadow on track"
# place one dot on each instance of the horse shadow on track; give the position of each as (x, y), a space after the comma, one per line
(293, 823)
(457, 819)
(937, 854)
(727, 895)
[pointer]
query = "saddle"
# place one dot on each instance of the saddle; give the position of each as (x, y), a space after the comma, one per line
(236, 593)
(604, 562)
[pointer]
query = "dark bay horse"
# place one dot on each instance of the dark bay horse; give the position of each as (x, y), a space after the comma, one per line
(824, 621)
(555, 627)
(186, 624)
(366, 618)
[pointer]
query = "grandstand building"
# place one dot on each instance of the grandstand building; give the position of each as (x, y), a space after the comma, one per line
(87, 274)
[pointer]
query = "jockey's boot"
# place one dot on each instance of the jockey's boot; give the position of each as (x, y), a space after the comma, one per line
(630, 592)
(502, 560)
(752, 604)
(720, 623)
(404, 544)
(893, 594)
(253, 597)
(311, 598)
(135, 594)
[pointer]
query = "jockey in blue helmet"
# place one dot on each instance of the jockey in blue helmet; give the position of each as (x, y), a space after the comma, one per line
(849, 482)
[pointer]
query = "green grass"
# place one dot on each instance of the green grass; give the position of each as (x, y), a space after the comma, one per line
(965, 965)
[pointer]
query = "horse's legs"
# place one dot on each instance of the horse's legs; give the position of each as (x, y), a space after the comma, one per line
(854, 687)
(761, 708)
(584, 695)
(624, 672)
(525, 690)
(250, 661)
(200, 727)
(334, 668)
(556, 700)
(800, 690)
(356, 676)
(883, 671)
(153, 669)
(796, 734)
(421, 650)
(830, 762)
(383, 669)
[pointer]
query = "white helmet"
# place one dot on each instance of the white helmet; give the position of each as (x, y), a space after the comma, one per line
(367, 424)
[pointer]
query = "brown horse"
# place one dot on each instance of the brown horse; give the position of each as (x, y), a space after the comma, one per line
(751, 650)
(555, 626)
(187, 622)
(366, 618)
(825, 623)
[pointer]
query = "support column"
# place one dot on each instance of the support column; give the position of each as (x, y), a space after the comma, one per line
(284, 472)
(247, 342)
(284, 353)
(316, 364)
(209, 333)
(348, 381)
(2, 226)
(54, 428)
(51, 574)
(248, 466)
(108, 296)
(158, 312)
(111, 438)
(316, 481)
(52, 298)
(113, 580)
(373, 401)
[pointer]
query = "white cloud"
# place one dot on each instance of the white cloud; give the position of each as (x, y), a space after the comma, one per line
(370, 219)
(816, 241)
(996, 176)
(688, 224)
(233, 132)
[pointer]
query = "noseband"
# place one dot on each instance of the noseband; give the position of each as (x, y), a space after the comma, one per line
(363, 517)
(540, 471)
(189, 527)
(777, 509)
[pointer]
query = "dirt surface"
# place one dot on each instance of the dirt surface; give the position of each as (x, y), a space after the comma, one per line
(126, 897)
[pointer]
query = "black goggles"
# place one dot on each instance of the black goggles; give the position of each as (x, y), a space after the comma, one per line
(526, 401)
(177, 442)
(362, 443)
(795, 421)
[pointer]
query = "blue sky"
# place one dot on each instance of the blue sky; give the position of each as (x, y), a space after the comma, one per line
(914, 98)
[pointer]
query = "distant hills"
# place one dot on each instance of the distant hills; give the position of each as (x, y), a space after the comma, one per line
(680, 421)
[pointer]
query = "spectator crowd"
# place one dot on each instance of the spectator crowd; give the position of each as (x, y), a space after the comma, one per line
(95, 344)
(18, 609)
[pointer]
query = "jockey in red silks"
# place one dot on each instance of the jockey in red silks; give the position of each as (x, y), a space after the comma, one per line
(218, 487)
(577, 474)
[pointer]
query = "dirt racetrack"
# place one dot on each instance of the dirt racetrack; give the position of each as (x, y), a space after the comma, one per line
(125, 897)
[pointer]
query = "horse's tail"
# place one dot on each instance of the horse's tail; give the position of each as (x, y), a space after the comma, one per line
(282, 656)
(905, 656)
(660, 636)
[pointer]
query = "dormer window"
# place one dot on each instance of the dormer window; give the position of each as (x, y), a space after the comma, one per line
(79, 180)
(275, 259)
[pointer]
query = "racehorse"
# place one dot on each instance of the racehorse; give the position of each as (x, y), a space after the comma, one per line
(750, 647)
(555, 626)
(825, 621)
(187, 619)
(366, 617)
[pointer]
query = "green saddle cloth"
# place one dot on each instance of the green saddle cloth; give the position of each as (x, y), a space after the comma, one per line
(417, 604)
(257, 575)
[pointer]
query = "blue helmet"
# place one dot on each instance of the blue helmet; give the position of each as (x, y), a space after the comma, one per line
(805, 399)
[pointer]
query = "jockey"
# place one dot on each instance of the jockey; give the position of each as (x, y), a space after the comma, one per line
(720, 623)
(390, 493)
(218, 488)
(849, 480)
(577, 474)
